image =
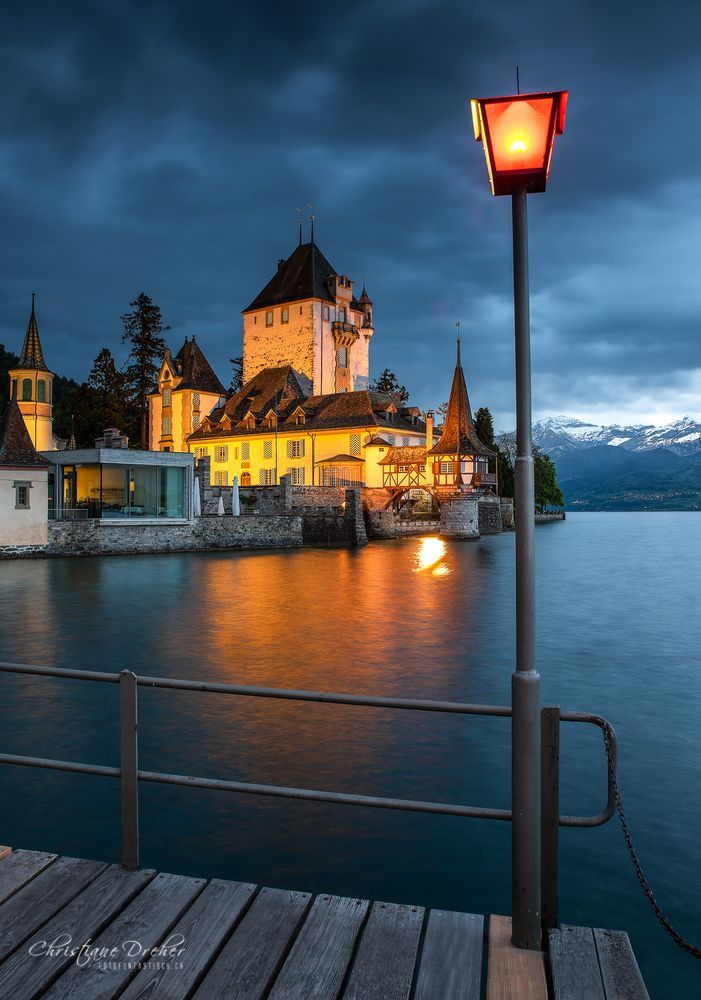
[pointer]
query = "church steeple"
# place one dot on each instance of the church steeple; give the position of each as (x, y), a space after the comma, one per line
(32, 356)
(459, 436)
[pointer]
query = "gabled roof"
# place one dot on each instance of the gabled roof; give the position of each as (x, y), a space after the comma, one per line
(459, 436)
(405, 455)
(305, 274)
(339, 460)
(280, 389)
(16, 446)
(32, 355)
(195, 371)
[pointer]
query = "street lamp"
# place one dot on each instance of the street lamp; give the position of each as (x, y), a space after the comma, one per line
(518, 133)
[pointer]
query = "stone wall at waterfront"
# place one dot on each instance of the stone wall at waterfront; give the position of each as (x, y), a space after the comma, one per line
(387, 524)
(489, 516)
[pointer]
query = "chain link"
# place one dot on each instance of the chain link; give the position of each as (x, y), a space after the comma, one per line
(674, 934)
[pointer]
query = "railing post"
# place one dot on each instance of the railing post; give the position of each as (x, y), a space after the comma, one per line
(129, 755)
(550, 814)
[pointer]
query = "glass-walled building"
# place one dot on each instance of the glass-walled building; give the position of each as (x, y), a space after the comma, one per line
(114, 483)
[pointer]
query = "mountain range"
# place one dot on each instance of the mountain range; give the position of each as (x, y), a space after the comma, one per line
(637, 467)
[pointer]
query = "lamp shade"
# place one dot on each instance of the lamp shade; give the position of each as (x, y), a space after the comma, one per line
(518, 133)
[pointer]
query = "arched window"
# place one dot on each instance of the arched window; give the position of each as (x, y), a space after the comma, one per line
(26, 388)
(13, 393)
(41, 391)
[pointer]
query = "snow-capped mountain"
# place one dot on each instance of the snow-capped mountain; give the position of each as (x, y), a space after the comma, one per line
(560, 435)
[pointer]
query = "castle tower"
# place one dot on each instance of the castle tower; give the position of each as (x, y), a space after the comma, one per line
(31, 385)
(308, 317)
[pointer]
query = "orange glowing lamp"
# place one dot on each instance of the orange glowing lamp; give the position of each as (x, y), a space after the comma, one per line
(518, 133)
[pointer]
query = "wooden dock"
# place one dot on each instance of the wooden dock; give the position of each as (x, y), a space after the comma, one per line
(151, 936)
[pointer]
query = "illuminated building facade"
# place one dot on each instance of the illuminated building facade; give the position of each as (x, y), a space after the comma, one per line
(31, 386)
(186, 391)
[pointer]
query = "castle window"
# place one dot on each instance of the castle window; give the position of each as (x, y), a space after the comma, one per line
(267, 449)
(342, 315)
(246, 451)
(166, 397)
(405, 441)
(295, 449)
(326, 312)
(269, 318)
(22, 495)
(299, 419)
(285, 316)
(26, 388)
(221, 479)
(266, 477)
(41, 391)
(166, 425)
(296, 476)
(196, 400)
(221, 453)
(343, 357)
(195, 420)
(355, 444)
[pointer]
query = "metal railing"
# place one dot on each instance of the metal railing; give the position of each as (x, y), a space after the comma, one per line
(130, 774)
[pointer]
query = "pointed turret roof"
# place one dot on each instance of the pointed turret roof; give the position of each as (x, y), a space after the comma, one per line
(197, 373)
(305, 274)
(16, 446)
(364, 297)
(32, 355)
(459, 436)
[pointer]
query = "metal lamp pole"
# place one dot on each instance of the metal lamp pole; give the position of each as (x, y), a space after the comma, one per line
(525, 681)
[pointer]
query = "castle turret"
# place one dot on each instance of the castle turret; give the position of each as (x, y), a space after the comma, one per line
(31, 385)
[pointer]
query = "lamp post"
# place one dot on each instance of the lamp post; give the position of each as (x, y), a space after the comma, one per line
(518, 133)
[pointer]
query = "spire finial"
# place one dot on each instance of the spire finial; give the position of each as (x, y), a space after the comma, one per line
(33, 297)
(457, 337)
(311, 219)
(300, 222)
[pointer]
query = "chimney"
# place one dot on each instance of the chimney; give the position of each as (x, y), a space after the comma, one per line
(429, 430)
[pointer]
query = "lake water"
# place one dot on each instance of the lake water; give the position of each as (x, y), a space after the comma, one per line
(619, 633)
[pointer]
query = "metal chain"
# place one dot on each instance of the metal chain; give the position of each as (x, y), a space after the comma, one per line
(674, 934)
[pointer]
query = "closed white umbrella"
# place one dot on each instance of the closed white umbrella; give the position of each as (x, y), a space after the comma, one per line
(197, 499)
(235, 501)
(220, 508)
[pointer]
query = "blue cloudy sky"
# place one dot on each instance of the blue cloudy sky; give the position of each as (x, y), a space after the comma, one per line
(165, 147)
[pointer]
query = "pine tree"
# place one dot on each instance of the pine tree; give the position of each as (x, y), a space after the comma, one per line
(547, 490)
(484, 425)
(112, 407)
(388, 384)
(236, 375)
(143, 329)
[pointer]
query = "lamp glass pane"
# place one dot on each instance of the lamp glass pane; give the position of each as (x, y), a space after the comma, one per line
(520, 133)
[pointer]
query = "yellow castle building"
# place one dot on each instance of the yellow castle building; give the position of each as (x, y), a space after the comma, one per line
(305, 410)
(31, 386)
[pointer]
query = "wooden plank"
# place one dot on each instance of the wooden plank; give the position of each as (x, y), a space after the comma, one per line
(619, 969)
(513, 972)
(252, 957)
(28, 974)
(384, 963)
(574, 964)
(43, 896)
(114, 958)
(19, 868)
(4, 851)
(204, 927)
(317, 963)
(450, 964)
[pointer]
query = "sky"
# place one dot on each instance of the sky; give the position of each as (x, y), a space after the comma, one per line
(165, 147)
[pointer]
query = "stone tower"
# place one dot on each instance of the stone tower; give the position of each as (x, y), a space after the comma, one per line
(31, 385)
(308, 317)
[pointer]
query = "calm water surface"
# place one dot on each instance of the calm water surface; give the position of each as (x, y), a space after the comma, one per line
(619, 633)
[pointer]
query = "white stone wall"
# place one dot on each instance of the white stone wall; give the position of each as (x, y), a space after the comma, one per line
(23, 527)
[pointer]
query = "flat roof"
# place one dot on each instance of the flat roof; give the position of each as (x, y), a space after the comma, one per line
(119, 456)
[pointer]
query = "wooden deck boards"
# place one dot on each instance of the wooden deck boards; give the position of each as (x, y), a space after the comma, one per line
(189, 939)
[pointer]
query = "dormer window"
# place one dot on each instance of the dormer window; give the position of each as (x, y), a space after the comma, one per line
(299, 417)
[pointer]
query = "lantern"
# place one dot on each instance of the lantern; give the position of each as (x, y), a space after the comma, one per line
(518, 133)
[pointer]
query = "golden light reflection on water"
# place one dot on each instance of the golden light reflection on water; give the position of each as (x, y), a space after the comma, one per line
(430, 554)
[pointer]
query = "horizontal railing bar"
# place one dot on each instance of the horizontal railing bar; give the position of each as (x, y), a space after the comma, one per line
(81, 675)
(331, 697)
(60, 765)
(341, 798)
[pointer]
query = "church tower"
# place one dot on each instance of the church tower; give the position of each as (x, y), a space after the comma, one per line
(31, 385)
(307, 316)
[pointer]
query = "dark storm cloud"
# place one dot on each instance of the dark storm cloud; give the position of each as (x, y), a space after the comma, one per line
(165, 147)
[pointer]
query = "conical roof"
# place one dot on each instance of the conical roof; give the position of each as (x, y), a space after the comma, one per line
(459, 436)
(305, 274)
(32, 355)
(16, 447)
